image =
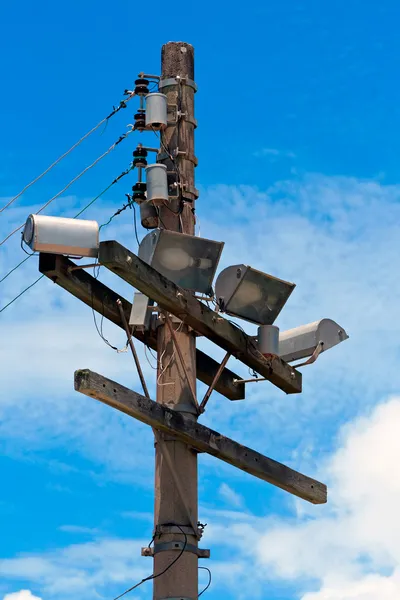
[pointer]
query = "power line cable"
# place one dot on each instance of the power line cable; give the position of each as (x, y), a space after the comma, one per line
(21, 293)
(75, 217)
(154, 576)
(209, 580)
(28, 257)
(121, 105)
(122, 137)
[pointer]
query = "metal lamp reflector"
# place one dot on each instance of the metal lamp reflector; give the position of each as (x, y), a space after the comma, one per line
(243, 292)
(302, 341)
(188, 261)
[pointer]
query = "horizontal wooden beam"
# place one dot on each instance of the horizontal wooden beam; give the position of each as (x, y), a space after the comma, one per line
(198, 436)
(197, 315)
(95, 294)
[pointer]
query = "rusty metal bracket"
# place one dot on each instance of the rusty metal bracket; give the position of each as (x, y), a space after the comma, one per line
(214, 382)
(182, 360)
(318, 349)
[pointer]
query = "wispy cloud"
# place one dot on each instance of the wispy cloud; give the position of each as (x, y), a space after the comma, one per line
(230, 496)
(274, 153)
(92, 569)
(331, 235)
(79, 529)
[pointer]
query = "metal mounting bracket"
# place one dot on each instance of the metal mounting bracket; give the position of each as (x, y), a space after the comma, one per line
(168, 529)
(175, 81)
(178, 546)
(164, 155)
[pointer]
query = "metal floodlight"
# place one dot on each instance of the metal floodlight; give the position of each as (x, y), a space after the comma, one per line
(58, 235)
(251, 295)
(188, 261)
(310, 340)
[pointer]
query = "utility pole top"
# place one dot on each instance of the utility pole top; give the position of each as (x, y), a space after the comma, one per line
(177, 58)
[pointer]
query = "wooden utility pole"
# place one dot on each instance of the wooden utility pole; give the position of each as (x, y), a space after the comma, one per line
(175, 382)
(181, 316)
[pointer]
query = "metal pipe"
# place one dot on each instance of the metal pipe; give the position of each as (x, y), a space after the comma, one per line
(76, 267)
(214, 382)
(133, 349)
(178, 350)
(237, 381)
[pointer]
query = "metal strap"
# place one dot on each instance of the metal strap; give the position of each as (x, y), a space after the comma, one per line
(173, 81)
(164, 155)
(178, 546)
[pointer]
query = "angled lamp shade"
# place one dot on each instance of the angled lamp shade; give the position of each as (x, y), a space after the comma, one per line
(302, 341)
(188, 261)
(243, 292)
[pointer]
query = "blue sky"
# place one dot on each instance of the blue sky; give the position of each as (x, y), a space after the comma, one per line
(298, 145)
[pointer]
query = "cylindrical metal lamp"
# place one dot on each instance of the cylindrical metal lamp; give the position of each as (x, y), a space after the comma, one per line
(156, 111)
(268, 339)
(157, 184)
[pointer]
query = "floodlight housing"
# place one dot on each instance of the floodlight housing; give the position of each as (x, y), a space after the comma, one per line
(254, 296)
(302, 341)
(188, 261)
(59, 235)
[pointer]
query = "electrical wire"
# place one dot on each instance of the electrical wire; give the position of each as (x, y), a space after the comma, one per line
(159, 362)
(75, 217)
(147, 358)
(21, 293)
(30, 256)
(100, 329)
(122, 137)
(15, 268)
(135, 224)
(209, 581)
(122, 104)
(154, 576)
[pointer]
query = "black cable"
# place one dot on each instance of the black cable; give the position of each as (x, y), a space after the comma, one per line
(23, 249)
(150, 577)
(100, 330)
(209, 580)
(134, 223)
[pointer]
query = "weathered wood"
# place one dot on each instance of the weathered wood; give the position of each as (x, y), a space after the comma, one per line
(92, 292)
(202, 319)
(198, 436)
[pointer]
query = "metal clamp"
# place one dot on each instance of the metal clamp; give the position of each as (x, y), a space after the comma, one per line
(189, 189)
(164, 155)
(174, 81)
(168, 529)
(178, 546)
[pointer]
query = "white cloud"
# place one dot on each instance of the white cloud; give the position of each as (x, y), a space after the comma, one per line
(230, 496)
(22, 595)
(352, 545)
(104, 566)
(371, 587)
(331, 235)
